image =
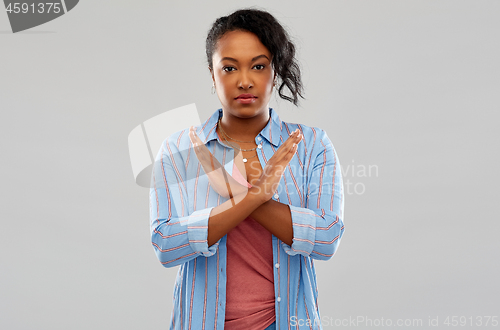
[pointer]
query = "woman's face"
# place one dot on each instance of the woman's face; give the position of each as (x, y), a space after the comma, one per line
(242, 65)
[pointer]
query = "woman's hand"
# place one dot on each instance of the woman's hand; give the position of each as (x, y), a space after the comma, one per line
(223, 183)
(266, 185)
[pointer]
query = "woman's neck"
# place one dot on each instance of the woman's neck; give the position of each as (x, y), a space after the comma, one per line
(244, 129)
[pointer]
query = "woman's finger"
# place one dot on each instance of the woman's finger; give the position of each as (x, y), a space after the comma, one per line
(284, 149)
(290, 154)
(206, 158)
(196, 141)
(193, 134)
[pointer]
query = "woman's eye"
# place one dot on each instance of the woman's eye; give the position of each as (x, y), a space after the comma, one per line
(259, 67)
(228, 68)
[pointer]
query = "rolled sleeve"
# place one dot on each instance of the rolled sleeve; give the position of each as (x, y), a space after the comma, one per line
(178, 233)
(318, 227)
(198, 232)
(304, 234)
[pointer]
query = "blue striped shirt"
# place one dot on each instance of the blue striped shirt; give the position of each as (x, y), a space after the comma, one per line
(180, 203)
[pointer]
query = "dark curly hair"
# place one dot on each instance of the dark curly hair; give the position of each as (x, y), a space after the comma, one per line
(273, 36)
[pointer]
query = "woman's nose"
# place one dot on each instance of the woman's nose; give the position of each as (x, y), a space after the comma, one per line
(245, 81)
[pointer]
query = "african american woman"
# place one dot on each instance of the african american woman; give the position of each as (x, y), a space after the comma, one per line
(245, 202)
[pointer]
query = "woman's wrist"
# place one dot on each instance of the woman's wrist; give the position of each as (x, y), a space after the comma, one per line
(238, 189)
(253, 195)
(258, 194)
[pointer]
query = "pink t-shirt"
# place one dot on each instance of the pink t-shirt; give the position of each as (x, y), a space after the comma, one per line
(250, 280)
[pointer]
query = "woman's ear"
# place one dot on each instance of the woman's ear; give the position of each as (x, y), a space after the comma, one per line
(212, 74)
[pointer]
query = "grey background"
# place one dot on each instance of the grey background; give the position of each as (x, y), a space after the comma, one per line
(411, 87)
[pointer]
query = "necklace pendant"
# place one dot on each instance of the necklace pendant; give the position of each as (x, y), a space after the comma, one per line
(245, 160)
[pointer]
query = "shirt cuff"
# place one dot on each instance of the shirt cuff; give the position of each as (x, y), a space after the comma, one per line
(197, 230)
(304, 231)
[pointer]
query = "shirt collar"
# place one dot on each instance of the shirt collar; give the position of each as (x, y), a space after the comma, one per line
(271, 132)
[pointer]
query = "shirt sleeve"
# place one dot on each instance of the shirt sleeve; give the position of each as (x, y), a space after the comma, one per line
(177, 235)
(318, 228)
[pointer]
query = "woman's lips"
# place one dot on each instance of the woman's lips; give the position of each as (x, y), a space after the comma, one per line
(246, 98)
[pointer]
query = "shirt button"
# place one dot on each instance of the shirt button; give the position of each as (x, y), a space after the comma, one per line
(278, 299)
(276, 196)
(259, 146)
(259, 138)
(277, 265)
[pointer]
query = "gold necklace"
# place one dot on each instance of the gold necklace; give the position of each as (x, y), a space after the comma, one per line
(220, 126)
(235, 146)
(245, 159)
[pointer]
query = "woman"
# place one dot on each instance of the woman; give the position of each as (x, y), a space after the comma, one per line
(245, 233)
